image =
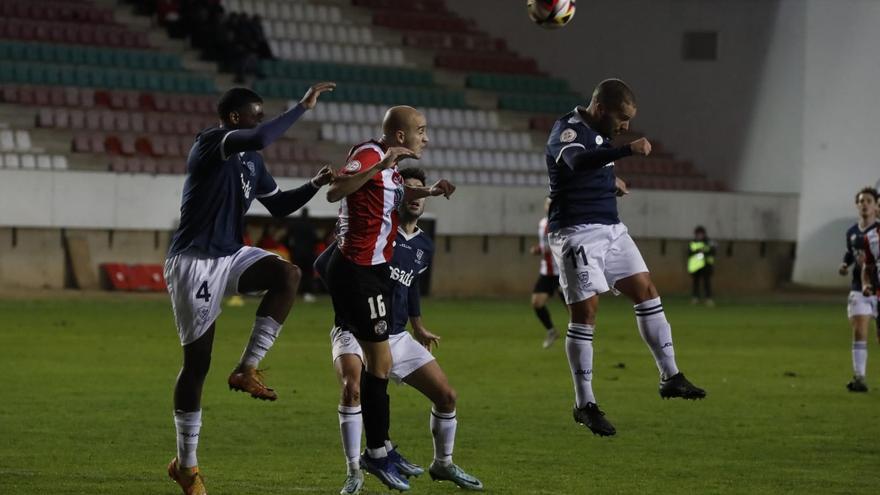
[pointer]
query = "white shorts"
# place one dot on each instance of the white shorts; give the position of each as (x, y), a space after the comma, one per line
(198, 285)
(407, 354)
(592, 258)
(859, 304)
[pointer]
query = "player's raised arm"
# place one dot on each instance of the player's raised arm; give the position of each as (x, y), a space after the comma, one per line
(440, 188)
(358, 172)
(253, 138)
(283, 203)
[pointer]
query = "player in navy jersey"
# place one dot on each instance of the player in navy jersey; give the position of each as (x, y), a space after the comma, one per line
(413, 363)
(548, 280)
(861, 308)
(592, 248)
(208, 259)
(358, 275)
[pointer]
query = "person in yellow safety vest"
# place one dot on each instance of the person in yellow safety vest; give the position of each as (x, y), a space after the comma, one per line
(701, 260)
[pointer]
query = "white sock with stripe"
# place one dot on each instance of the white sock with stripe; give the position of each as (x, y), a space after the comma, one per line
(351, 425)
(579, 349)
(859, 357)
(443, 426)
(187, 425)
(265, 331)
(657, 333)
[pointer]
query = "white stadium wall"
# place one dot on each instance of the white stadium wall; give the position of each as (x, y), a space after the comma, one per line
(732, 116)
(841, 126)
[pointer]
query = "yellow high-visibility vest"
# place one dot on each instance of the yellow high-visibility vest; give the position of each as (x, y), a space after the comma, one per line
(700, 259)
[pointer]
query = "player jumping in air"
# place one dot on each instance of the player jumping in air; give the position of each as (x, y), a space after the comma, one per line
(861, 308)
(208, 260)
(413, 363)
(592, 248)
(548, 280)
(358, 273)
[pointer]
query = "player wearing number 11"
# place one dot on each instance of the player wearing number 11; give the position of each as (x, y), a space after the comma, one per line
(208, 259)
(592, 248)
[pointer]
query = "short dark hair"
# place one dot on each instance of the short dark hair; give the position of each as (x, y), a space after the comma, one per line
(413, 173)
(700, 230)
(613, 93)
(868, 190)
(235, 100)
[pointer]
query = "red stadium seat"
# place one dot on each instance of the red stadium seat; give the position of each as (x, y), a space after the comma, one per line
(147, 278)
(118, 275)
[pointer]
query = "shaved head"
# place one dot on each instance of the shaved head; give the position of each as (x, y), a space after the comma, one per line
(614, 93)
(612, 107)
(405, 126)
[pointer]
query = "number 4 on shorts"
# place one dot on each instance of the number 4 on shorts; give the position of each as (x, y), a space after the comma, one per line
(203, 293)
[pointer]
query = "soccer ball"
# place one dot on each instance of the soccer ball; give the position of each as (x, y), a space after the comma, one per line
(551, 14)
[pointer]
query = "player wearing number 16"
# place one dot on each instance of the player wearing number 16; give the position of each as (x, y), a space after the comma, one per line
(208, 259)
(592, 248)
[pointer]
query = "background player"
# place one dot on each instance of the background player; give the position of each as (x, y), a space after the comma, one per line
(208, 259)
(860, 308)
(412, 360)
(548, 280)
(358, 274)
(592, 248)
(700, 265)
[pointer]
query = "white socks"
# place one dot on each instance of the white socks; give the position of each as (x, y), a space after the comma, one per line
(579, 349)
(859, 357)
(350, 426)
(443, 427)
(657, 333)
(265, 332)
(188, 425)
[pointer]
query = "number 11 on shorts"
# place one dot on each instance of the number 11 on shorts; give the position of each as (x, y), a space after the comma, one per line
(573, 254)
(376, 303)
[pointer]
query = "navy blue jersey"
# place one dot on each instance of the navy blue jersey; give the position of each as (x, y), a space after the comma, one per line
(412, 256)
(217, 193)
(855, 241)
(579, 196)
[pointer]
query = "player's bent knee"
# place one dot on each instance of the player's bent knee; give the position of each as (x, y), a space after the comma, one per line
(292, 276)
(351, 392)
(446, 401)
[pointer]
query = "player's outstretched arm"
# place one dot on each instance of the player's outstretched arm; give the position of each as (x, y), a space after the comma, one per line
(578, 158)
(440, 188)
(345, 184)
(268, 132)
(284, 203)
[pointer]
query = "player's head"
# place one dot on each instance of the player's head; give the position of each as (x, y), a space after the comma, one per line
(866, 202)
(415, 177)
(405, 126)
(240, 108)
(700, 233)
(614, 106)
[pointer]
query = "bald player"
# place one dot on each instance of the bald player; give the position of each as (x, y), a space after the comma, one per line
(370, 189)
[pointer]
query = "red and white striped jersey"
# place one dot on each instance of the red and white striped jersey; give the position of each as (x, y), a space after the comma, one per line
(548, 265)
(872, 248)
(368, 217)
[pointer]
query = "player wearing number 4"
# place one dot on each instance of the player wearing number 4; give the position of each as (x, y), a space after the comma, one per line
(208, 260)
(592, 248)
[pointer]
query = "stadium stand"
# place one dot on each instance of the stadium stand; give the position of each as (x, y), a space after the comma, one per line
(133, 107)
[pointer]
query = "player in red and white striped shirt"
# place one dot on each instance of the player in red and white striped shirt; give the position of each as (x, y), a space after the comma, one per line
(358, 275)
(548, 280)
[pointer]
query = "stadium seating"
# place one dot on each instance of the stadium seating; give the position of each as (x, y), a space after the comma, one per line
(517, 83)
(56, 11)
(86, 55)
(372, 114)
(112, 78)
(440, 137)
(362, 93)
(316, 71)
(286, 10)
(311, 31)
(73, 33)
(337, 52)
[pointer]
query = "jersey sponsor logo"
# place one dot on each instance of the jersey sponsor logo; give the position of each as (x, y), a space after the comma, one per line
(568, 136)
(353, 166)
(405, 278)
(245, 187)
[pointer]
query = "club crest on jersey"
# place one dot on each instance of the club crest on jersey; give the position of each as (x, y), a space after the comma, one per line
(419, 254)
(250, 167)
(568, 136)
(353, 166)
(381, 327)
(600, 140)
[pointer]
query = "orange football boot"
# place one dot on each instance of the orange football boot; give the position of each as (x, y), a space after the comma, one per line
(250, 380)
(189, 479)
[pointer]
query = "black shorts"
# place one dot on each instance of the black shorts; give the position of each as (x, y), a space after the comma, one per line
(546, 284)
(362, 297)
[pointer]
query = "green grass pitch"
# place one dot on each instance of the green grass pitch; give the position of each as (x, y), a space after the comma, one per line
(86, 402)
